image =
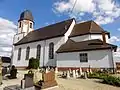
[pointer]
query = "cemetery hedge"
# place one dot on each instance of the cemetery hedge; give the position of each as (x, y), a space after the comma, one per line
(33, 63)
(112, 80)
(106, 78)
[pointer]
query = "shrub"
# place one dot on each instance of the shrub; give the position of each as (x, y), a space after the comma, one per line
(33, 63)
(112, 80)
(97, 75)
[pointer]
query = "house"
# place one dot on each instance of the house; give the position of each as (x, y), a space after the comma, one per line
(65, 44)
(6, 61)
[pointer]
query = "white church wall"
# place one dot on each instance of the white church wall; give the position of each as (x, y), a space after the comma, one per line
(80, 38)
(25, 26)
(18, 37)
(96, 36)
(107, 38)
(33, 47)
(23, 61)
(99, 36)
(96, 59)
(44, 59)
(89, 37)
(57, 43)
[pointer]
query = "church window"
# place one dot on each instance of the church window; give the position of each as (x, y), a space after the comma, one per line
(30, 25)
(19, 53)
(83, 57)
(20, 25)
(38, 51)
(27, 52)
(51, 51)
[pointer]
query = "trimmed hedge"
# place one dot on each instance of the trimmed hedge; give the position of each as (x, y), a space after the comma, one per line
(33, 63)
(112, 80)
(106, 78)
(97, 75)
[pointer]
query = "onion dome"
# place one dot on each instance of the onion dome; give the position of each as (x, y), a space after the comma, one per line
(26, 15)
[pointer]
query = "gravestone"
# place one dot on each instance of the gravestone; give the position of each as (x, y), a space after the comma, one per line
(28, 80)
(48, 81)
(13, 73)
(0, 71)
(81, 73)
(68, 74)
(77, 74)
(74, 74)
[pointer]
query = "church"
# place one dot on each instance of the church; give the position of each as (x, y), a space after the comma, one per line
(66, 44)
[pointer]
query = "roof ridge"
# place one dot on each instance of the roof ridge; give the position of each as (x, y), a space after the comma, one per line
(55, 23)
(90, 25)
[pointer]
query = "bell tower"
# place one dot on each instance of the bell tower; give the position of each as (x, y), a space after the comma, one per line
(25, 25)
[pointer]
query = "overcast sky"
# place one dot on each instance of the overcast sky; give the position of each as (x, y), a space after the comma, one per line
(104, 12)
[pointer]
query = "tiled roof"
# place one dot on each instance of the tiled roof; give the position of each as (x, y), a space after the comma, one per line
(51, 31)
(89, 27)
(96, 44)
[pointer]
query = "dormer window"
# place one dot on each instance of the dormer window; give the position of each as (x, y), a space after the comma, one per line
(30, 25)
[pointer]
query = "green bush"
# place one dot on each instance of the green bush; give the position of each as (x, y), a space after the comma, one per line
(97, 75)
(112, 80)
(106, 78)
(33, 63)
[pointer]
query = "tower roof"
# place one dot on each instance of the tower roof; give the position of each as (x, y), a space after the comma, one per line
(26, 15)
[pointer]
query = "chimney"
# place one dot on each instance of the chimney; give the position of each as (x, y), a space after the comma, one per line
(104, 38)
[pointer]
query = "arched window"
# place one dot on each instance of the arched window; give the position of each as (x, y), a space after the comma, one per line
(38, 51)
(51, 51)
(19, 53)
(27, 52)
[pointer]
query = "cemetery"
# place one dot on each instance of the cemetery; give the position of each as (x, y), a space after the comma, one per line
(49, 78)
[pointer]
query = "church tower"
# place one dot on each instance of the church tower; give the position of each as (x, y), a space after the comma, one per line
(25, 25)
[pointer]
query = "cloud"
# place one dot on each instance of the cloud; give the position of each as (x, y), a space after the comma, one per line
(117, 54)
(101, 11)
(118, 29)
(7, 31)
(114, 39)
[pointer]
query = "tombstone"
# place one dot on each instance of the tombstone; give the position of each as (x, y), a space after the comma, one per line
(48, 81)
(0, 71)
(68, 74)
(77, 75)
(87, 70)
(74, 74)
(85, 75)
(37, 76)
(28, 80)
(90, 70)
(46, 70)
(13, 73)
(4, 71)
(81, 73)
(22, 83)
(56, 70)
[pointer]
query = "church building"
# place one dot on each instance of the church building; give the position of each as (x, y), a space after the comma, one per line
(64, 45)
